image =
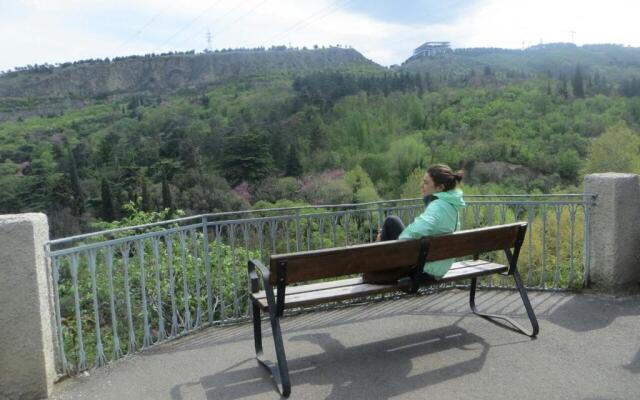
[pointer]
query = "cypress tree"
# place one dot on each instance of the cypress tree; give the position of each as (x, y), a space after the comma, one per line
(419, 85)
(78, 198)
(564, 90)
(167, 202)
(578, 83)
(146, 198)
(294, 168)
(108, 213)
(246, 157)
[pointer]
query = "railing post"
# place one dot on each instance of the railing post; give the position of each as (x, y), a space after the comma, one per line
(614, 232)
(27, 369)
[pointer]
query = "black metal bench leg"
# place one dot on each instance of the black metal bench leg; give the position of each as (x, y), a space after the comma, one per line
(279, 371)
(513, 325)
(257, 330)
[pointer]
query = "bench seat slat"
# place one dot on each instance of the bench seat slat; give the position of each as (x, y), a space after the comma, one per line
(339, 293)
(313, 287)
(472, 271)
(307, 295)
(351, 281)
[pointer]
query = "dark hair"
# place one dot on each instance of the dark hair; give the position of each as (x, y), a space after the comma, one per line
(443, 175)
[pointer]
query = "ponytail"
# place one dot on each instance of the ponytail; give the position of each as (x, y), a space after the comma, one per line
(444, 175)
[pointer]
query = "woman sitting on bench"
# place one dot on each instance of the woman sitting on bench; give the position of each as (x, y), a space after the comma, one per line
(443, 203)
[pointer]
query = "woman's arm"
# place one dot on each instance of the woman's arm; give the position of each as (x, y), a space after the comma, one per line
(424, 224)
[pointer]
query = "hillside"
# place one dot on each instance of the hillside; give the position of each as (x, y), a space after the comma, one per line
(613, 61)
(49, 89)
(241, 129)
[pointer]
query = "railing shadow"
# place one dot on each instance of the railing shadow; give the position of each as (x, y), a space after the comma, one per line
(444, 303)
(381, 369)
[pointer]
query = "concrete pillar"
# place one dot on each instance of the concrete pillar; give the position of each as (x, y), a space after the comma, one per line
(27, 366)
(614, 232)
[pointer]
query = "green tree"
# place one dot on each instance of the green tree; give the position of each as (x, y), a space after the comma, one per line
(108, 212)
(246, 158)
(404, 156)
(76, 187)
(578, 83)
(167, 201)
(564, 89)
(293, 168)
(569, 164)
(146, 204)
(361, 185)
(617, 150)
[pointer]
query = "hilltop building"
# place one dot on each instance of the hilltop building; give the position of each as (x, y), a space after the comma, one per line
(430, 49)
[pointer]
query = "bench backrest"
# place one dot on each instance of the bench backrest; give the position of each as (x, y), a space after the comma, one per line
(339, 261)
(474, 241)
(396, 254)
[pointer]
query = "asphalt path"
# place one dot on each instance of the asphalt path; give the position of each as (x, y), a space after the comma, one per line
(420, 347)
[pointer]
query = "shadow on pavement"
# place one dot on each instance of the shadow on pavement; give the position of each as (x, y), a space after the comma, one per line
(634, 365)
(373, 370)
(587, 313)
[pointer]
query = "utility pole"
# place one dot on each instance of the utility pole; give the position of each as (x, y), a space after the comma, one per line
(572, 36)
(209, 40)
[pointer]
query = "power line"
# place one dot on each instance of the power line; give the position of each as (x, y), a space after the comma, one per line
(242, 16)
(179, 31)
(138, 32)
(230, 24)
(331, 9)
(277, 36)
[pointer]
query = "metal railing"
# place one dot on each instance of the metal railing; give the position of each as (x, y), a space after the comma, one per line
(122, 290)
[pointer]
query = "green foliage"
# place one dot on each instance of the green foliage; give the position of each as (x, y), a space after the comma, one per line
(133, 215)
(578, 83)
(617, 150)
(184, 148)
(293, 168)
(361, 186)
(404, 156)
(246, 156)
(411, 187)
(273, 189)
(327, 190)
(108, 212)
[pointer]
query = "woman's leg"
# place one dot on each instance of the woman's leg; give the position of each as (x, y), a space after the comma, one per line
(392, 228)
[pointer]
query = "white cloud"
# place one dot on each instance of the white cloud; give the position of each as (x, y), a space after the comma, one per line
(504, 23)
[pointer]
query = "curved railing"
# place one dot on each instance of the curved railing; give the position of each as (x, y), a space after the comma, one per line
(122, 290)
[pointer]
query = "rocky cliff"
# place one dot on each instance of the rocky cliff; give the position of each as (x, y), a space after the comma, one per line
(169, 72)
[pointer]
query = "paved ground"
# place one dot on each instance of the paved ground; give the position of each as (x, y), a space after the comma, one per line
(425, 347)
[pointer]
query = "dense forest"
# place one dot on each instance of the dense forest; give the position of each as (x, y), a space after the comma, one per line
(246, 128)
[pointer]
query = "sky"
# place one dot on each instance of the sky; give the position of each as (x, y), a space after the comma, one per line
(56, 31)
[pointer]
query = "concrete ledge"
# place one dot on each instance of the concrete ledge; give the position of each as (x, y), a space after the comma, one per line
(27, 369)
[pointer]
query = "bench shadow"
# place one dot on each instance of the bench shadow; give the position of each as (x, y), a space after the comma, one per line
(380, 369)
(318, 318)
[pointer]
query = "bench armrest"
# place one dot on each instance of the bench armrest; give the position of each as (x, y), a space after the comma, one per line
(256, 268)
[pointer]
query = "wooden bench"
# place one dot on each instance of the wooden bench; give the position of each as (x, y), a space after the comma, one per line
(404, 257)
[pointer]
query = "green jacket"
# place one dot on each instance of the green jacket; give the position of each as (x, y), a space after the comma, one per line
(440, 217)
